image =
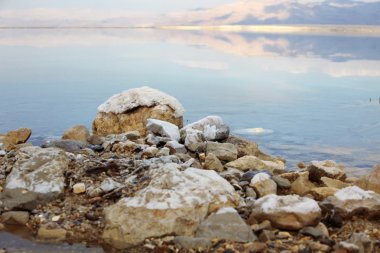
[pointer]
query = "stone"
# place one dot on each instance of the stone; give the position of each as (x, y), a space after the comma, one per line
(194, 139)
(15, 218)
(45, 234)
(363, 242)
(15, 137)
(353, 200)
(126, 147)
(163, 129)
(191, 243)
(328, 168)
(149, 152)
(175, 147)
(246, 163)
(129, 111)
(263, 185)
(290, 212)
(163, 152)
(321, 193)
(267, 236)
(95, 140)
(315, 232)
(77, 133)
(250, 193)
(212, 128)
(213, 163)
(282, 182)
(175, 202)
(371, 181)
(301, 186)
(36, 178)
(223, 151)
(70, 146)
(334, 183)
(79, 188)
(265, 225)
(225, 224)
(109, 184)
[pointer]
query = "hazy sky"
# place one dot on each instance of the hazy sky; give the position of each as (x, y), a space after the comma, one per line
(135, 5)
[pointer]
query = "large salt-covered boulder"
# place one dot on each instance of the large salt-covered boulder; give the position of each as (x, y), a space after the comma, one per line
(129, 111)
(212, 127)
(37, 177)
(175, 202)
(290, 212)
(353, 200)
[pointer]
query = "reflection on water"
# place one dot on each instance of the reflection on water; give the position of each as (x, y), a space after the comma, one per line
(312, 92)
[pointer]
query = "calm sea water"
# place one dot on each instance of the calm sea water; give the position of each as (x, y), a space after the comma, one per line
(315, 97)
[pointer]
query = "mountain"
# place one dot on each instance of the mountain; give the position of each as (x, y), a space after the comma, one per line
(258, 12)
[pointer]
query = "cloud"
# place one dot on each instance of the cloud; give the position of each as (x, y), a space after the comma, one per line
(211, 65)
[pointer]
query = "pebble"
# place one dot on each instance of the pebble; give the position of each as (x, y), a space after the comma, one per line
(56, 218)
(79, 188)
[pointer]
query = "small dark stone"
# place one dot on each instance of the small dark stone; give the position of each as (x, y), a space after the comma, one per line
(92, 216)
(282, 182)
(97, 148)
(248, 176)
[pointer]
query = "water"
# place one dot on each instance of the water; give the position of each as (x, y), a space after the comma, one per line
(309, 94)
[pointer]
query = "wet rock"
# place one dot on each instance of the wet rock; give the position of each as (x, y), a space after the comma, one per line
(282, 182)
(194, 139)
(301, 186)
(37, 177)
(211, 127)
(66, 145)
(13, 138)
(174, 202)
(225, 224)
(289, 212)
(371, 181)
(189, 243)
(213, 163)
(321, 193)
(263, 185)
(334, 183)
(130, 110)
(253, 163)
(175, 147)
(331, 169)
(51, 235)
(355, 201)
(15, 218)
(163, 129)
(223, 151)
(79, 188)
(77, 133)
(109, 184)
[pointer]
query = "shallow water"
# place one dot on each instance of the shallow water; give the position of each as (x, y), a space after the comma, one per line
(301, 97)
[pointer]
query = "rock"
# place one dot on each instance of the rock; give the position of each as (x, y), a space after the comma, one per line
(334, 183)
(212, 128)
(265, 225)
(331, 169)
(213, 163)
(13, 138)
(66, 145)
(36, 178)
(15, 218)
(126, 147)
(95, 140)
(301, 165)
(51, 235)
(289, 212)
(353, 200)
(320, 193)
(79, 188)
(253, 163)
(163, 152)
(223, 151)
(250, 193)
(301, 186)
(267, 236)
(109, 184)
(175, 147)
(191, 243)
(174, 202)
(194, 139)
(346, 247)
(371, 181)
(282, 182)
(363, 242)
(163, 129)
(225, 224)
(2, 153)
(149, 152)
(315, 232)
(263, 185)
(129, 111)
(77, 133)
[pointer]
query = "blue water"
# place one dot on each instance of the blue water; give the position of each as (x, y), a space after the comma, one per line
(311, 93)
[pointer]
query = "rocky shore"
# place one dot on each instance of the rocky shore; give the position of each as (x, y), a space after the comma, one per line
(143, 182)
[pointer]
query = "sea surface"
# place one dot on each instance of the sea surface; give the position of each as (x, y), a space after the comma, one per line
(302, 97)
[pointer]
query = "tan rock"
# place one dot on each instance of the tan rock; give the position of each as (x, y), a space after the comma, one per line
(301, 186)
(77, 133)
(334, 183)
(321, 193)
(126, 147)
(51, 235)
(263, 185)
(129, 111)
(224, 151)
(213, 163)
(371, 181)
(79, 188)
(331, 169)
(13, 138)
(246, 163)
(15, 217)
